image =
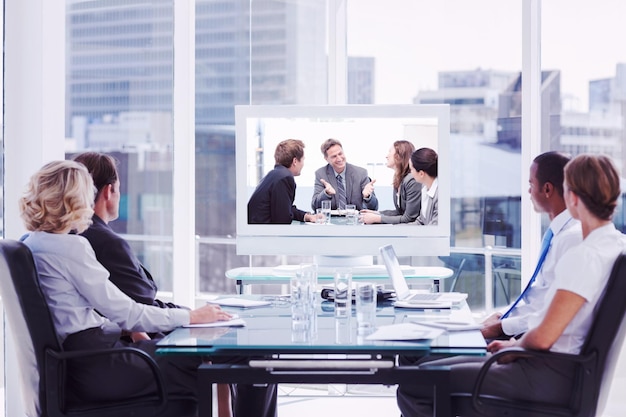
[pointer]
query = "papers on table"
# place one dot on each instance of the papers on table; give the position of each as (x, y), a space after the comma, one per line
(405, 331)
(450, 326)
(235, 321)
(424, 304)
(240, 302)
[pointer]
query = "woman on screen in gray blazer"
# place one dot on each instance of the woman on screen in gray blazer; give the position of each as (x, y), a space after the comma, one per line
(424, 170)
(406, 191)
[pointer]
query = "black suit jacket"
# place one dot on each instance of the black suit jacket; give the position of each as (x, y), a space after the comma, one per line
(127, 273)
(272, 200)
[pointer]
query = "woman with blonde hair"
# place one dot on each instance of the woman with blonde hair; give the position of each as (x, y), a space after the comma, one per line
(88, 310)
(406, 191)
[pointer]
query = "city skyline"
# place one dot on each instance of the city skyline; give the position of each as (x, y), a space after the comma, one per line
(492, 37)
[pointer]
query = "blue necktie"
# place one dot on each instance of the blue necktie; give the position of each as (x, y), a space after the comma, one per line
(341, 194)
(545, 246)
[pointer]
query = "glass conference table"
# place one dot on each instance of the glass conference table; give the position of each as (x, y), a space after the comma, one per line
(329, 352)
(245, 276)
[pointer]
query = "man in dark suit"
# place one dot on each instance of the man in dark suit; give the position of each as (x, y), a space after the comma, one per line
(272, 200)
(342, 183)
(130, 276)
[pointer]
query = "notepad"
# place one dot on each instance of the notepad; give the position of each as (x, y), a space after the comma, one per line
(450, 326)
(239, 302)
(234, 322)
(404, 331)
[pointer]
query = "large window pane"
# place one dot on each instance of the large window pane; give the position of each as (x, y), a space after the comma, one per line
(260, 52)
(468, 55)
(591, 78)
(119, 101)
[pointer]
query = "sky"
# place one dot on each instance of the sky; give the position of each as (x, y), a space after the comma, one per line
(582, 38)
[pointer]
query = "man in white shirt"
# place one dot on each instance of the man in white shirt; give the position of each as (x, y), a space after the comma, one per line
(546, 194)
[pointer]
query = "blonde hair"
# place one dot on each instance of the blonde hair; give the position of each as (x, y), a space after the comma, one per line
(58, 198)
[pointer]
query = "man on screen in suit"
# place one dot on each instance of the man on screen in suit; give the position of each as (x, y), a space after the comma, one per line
(272, 200)
(130, 276)
(342, 183)
(546, 195)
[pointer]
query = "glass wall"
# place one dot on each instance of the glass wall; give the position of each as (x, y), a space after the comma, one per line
(260, 52)
(469, 57)
(591, 79)
(119, 100)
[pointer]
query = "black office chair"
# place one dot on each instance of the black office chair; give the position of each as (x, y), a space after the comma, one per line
(595, 365)
(42, 360)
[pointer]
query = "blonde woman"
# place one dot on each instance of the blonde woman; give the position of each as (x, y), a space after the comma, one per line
(406, 191)
(90, 312)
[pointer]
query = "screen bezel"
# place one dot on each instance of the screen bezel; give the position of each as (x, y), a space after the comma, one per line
(340, 240)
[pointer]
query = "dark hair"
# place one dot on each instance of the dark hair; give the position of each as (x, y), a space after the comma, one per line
(595, 180)
(403, 149)
(425, 159)
(327, 144)
(102, 167)
(287, 150)
(550, 167)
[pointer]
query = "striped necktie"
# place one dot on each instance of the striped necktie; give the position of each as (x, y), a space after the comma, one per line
(545, 245)
(341, 194)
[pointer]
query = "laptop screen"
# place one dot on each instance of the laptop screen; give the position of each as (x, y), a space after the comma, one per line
(395, 272)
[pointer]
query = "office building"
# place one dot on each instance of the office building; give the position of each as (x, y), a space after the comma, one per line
(361, 80)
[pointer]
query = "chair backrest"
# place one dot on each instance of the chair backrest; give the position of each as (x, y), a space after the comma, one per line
(605, 338)
(29, 319)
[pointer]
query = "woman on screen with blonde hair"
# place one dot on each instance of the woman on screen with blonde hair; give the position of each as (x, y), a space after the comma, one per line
(406, 191)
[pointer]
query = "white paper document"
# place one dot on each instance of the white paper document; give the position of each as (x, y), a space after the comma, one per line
(405, 331)
(234, 322)
(240, 302)
(424, 305)
(450, 326)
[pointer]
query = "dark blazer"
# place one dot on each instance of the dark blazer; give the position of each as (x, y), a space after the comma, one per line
(272, 200)
(356, 179)
(127, 273)
(407, 200)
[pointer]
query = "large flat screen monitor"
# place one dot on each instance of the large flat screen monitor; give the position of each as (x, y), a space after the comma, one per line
(366, 133)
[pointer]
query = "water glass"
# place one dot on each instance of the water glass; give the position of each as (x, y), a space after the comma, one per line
(321, 216)
(343, 330)
(351, 215)
(365, 308)
(343, 292)
(303, 318)
(326, 210)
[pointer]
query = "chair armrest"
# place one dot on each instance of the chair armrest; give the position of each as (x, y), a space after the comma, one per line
(55, 389)
(477, 399)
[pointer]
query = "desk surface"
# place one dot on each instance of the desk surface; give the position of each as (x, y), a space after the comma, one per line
(268, 332)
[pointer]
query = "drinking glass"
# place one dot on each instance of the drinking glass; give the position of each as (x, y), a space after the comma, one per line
(343, 292)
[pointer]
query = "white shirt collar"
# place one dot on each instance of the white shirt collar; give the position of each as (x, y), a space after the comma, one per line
(558, 223)
(433, 188)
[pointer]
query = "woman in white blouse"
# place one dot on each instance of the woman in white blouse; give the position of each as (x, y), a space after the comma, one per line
(592, 187)
(424, 163)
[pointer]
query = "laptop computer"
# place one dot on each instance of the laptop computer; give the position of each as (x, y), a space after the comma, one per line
(407, 298)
